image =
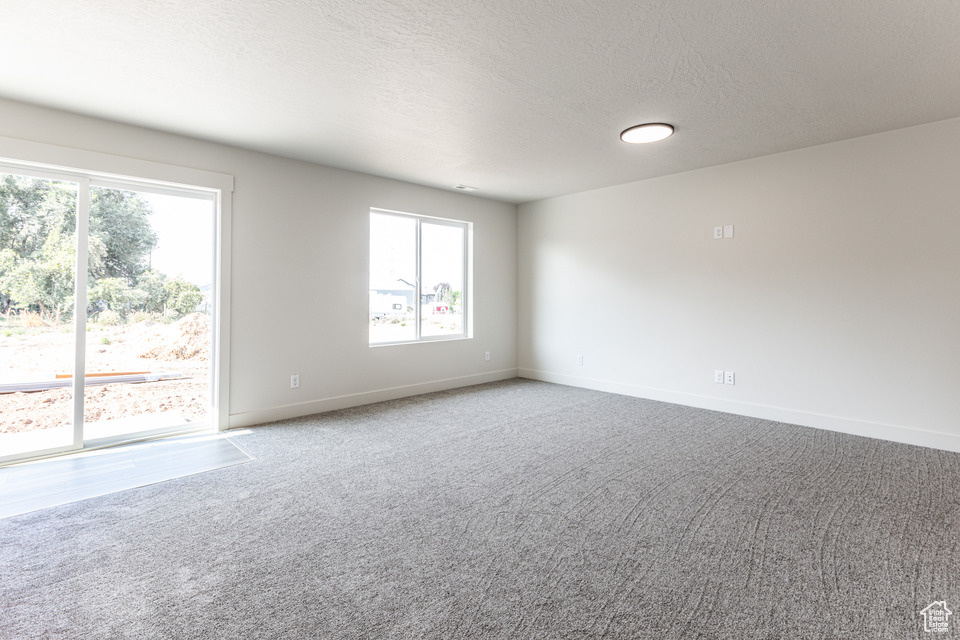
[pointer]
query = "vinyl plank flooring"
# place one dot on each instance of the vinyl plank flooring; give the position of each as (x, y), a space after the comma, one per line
(48, 483)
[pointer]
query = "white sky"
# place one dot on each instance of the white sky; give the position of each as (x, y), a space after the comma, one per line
(184, 228)
(393, 253)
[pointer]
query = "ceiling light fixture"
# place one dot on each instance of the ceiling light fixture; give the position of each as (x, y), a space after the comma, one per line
(650, 132)
(463, 187)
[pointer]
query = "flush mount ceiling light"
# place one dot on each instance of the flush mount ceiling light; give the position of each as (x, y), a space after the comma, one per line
(463, 187)
(650, 132)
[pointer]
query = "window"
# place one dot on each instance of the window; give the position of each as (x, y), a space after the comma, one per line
(418, 278)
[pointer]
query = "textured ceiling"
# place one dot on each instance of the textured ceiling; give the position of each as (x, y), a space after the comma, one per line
(522, 98)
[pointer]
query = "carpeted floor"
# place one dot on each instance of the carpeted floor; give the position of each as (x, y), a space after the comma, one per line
(512, 510)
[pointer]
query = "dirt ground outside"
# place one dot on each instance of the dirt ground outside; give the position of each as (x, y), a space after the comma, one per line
(401, 328)
(181, 347)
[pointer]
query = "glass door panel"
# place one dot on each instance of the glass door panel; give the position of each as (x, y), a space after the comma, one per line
(148, 350)
(38, 222)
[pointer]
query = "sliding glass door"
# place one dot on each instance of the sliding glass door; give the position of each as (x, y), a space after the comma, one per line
(38, 243)
(150, 276)
(106, 302)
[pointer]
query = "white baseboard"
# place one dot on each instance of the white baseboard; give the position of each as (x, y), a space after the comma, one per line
(895, 433)
(260, 416)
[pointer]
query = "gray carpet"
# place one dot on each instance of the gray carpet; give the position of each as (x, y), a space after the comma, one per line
(512, 510)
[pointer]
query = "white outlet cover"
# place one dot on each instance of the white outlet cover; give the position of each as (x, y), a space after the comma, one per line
(728, 231)
(717, 233)
(729, 377)
(718, 376)
(486, 355)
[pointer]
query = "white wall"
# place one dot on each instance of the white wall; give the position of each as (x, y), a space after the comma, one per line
(837, 302)
(299, 274)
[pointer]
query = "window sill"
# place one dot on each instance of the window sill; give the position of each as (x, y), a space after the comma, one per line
(420, 341)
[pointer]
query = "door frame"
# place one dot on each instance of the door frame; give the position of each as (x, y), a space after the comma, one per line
(88, 168)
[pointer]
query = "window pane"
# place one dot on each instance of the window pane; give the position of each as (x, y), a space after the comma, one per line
(148, 313)
(393, 278)
(38, 220)
(442, 291)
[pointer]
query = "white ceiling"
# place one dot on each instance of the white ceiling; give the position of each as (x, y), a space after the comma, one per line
(522, 98)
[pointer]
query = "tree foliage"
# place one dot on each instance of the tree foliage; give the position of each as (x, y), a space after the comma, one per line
(152, 295)
(182, 295)
(121, 221)
(32, 209)
(45, 281)
(115, 293)
(37, 254)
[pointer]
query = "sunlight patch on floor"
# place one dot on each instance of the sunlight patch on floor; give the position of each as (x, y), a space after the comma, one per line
(48, 483)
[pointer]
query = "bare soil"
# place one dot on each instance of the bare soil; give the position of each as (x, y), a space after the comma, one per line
(181, 347)
(401, 328)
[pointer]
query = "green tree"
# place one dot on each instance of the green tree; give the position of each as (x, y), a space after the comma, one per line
(8, 262)
(151, 291)
(30, 209)
(121, 221)
(44, 281)
(37, 233)
(442, 292)
(116, 293)
(182, 296)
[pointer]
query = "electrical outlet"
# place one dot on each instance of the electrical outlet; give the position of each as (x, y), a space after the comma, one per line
(579, 358)
(717, 233)
(729, 377)
(718, 376)
(295, 381)
(728, 231)
(486, 356)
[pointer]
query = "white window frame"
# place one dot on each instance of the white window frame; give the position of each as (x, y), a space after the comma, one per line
(89, 168)
(466, 294)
